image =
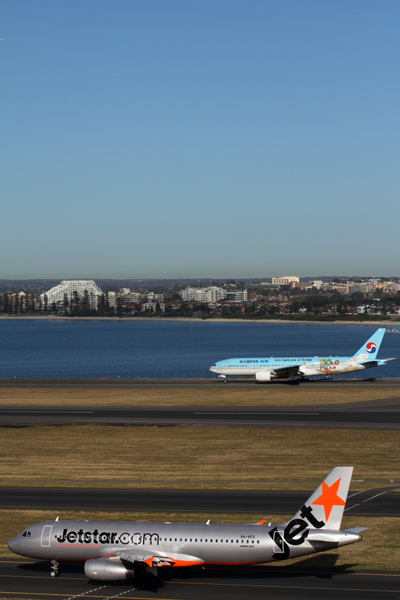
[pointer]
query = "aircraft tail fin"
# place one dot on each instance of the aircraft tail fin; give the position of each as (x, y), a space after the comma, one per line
(324, 508)
(371, 346)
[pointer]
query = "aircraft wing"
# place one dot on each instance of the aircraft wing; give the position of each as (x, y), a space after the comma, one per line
(292, 370)
(159, 559)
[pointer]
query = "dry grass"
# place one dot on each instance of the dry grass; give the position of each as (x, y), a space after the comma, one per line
(378, 550)
(255, 395)
(184, 457)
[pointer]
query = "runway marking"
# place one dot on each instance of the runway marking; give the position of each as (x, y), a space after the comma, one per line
(55, 595)
(57, 412)
(291, 587)
(366, 500)
(88, 592)
(362, 492)
(254, 413)
(376, 496)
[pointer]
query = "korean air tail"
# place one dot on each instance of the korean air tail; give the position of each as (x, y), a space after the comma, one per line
(371, 346)
(324, 508)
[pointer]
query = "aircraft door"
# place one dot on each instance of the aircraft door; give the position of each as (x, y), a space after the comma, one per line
(46, 535)
(278, 541)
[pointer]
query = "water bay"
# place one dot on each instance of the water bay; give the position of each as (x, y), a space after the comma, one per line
(157, 349)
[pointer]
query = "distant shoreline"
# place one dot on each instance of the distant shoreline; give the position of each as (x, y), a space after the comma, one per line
(199, 320)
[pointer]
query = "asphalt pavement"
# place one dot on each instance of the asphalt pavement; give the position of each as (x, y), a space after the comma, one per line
(377, 501)
(20, 578)
(381, 414)
(202, 384)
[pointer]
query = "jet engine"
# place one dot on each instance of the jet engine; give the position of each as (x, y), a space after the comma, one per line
(105, 569)
(265, 375)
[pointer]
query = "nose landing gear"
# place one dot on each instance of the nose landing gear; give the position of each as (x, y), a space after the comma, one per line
(54, 568)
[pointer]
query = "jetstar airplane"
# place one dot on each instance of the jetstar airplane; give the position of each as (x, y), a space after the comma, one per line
(266, 369)
(116, 550)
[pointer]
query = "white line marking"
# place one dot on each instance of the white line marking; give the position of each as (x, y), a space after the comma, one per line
(350, 507)
(362, 492)
(372, 497)
(56, 412)
(254, 413)
(89, 592)
(367, 500)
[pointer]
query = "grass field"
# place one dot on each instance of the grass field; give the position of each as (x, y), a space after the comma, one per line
(378, 550)
(256, 395)
(190, 457)
(201, 457)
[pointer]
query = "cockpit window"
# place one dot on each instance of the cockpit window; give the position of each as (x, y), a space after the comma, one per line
(26, 533)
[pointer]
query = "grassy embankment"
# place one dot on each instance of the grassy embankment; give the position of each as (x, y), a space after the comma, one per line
(192, 457)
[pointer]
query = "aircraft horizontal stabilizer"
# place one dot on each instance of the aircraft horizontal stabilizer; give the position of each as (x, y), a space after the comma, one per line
(375, 363)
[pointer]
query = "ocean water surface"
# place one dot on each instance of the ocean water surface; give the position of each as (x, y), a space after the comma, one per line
(156, 349)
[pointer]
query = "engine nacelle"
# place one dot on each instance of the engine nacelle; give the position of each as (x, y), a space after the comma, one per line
(264, 375)
(104, 569)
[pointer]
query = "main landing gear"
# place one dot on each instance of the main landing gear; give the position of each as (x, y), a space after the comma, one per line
(54, 568)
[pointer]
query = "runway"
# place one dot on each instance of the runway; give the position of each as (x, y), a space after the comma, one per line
(376, 502)
(20, 578)
(376, 414)
(201, 384)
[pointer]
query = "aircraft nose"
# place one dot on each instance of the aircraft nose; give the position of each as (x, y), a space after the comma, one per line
(14, 545)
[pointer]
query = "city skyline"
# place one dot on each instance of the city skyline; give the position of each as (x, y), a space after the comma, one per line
(199, 140)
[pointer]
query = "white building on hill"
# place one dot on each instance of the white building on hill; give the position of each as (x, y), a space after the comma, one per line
(70, 289)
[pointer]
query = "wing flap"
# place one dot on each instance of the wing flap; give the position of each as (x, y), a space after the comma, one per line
(159, 559)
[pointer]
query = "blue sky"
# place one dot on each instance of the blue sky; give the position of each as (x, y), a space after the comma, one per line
(203, 139)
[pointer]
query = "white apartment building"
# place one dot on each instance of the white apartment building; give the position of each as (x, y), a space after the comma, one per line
(153, 306)
(208, 294)
(286, 280)
(236, 296)
(69, 287)
(112, 299)
(152, 297)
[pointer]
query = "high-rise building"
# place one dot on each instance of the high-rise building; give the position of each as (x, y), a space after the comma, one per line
(286, 280)
(72, 289)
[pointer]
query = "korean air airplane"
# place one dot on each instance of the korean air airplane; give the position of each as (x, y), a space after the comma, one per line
(114, 550)
(267, 369)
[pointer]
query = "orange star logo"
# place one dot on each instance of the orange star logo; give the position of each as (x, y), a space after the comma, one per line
(329, 498)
